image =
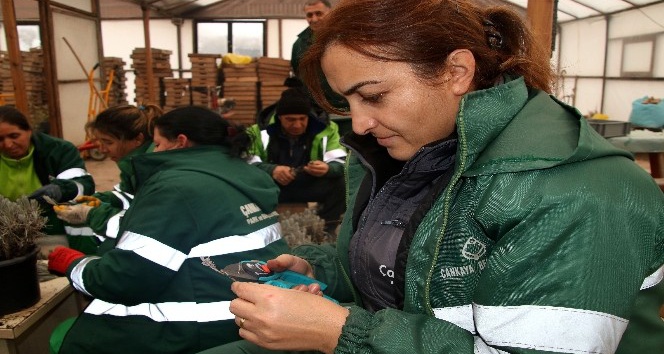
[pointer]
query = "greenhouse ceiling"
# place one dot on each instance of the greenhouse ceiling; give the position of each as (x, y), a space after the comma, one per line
(567, 10)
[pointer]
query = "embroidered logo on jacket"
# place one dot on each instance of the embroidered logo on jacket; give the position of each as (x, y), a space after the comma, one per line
(473, 249)
(249, 209)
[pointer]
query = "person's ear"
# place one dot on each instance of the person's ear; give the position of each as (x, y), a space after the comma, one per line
(461, 70)
(140, 139)
(182, 141)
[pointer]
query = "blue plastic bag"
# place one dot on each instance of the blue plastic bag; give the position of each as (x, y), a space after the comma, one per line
(647, 112)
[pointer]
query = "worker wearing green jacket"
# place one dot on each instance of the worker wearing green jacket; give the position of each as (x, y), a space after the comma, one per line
(314, 11)
(484, 215)
(303, 155)
(123, 133)
(38, 165)
(195, 199)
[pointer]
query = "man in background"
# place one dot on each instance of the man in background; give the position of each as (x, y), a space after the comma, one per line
(315, 11)
(303, 155)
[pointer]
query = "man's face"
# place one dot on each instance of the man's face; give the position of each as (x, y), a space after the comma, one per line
(294, 125)
(315, 13)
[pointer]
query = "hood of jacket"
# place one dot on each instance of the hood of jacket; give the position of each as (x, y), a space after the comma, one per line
(208, 160)
(509, 128)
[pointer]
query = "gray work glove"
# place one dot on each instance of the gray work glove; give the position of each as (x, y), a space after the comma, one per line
(50, 190)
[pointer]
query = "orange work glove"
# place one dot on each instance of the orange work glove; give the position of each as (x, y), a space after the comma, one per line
(88, 200)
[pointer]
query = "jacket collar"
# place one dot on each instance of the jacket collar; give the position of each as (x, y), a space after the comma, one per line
(192, 158)
(509, 128)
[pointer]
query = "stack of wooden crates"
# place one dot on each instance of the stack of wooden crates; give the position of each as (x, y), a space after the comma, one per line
(254, 86)
(272, 73)
(117, 94)
(241, 84)
(33, 76)
(161, 68)
(204, 78)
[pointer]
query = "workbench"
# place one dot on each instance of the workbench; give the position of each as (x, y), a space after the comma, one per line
(647, 142)
(28, 331)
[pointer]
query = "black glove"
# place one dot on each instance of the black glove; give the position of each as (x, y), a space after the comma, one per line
(51, 190)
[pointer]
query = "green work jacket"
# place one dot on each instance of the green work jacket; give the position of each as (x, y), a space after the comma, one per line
(152, 293)
(59, 162)
(547, 239)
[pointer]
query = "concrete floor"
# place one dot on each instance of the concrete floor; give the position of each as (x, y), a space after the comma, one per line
(105, 173)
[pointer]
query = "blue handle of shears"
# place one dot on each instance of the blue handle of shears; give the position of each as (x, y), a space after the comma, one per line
(288, 279)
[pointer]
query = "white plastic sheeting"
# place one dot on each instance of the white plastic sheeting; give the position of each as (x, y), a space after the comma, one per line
(569, 10)
(607, 62)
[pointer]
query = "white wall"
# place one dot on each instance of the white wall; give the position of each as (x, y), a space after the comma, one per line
(582, 54)
(582, 47)
(73, 87)
(290, 30)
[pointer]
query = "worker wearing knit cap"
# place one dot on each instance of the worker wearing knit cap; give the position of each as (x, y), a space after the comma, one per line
(293, 101)
(303, 155)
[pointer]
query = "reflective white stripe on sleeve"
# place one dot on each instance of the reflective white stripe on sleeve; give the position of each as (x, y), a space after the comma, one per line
(265, 138)
(653, 279)
(76, 275)
(554, 329)
(324, 145)
(461, 316)
(123, 198)
(80, 189)
(482, 348)
(79, 231)
(171, 258)
(100, 237)
(113, 225)
(254, 159)
(72, 173)
(167, 311)
(152, 250)
(334, 155)
(239, 243)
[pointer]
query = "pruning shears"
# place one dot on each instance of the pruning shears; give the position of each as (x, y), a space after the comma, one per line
(258, 272)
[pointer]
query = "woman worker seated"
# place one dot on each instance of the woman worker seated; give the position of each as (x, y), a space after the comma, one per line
(123, 132)
(43, 168)
(195, 197)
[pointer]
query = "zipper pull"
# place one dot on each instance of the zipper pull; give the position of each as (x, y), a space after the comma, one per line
(395, 222)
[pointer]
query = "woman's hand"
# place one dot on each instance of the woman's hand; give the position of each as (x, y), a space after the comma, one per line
(286, 319)
(290, 262)
(298, 265)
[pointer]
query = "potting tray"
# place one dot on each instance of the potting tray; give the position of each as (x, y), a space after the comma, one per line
(610, 128)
